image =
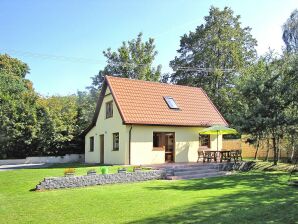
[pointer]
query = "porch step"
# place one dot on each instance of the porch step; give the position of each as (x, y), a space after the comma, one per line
(189, 166)
(193, 171)
(198, 175)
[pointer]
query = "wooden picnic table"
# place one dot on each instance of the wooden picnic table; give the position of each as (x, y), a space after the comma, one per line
(227, 155)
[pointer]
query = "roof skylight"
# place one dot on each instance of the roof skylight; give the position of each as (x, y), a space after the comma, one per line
(171, 102)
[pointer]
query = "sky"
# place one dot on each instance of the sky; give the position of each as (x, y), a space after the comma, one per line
(62, 40)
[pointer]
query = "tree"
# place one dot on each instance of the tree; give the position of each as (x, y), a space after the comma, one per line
(13, 66)
(210, 56)
(134, 59)
(58, 125)
(86, 107)
(290, 33)
(267, 91)
(32, 125)
(17, 111)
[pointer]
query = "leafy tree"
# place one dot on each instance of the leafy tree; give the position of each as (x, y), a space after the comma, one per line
(13, 66)
(134, 59)
(18, 119)
(223, 47)
(267, 92)
(290, 33)
(58, 127)
(33, 125)
(86, 107)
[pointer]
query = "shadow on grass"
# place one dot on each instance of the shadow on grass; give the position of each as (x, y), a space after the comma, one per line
(256, 198)
(251, 180)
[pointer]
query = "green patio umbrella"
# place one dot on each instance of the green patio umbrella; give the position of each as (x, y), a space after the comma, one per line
(218, 130)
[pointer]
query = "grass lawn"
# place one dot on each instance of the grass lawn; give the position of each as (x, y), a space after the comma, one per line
(254, 197)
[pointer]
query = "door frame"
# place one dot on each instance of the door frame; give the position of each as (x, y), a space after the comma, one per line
(101, 148)
(164, 144)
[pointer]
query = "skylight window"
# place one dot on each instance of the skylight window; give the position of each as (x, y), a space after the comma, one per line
(171, 102)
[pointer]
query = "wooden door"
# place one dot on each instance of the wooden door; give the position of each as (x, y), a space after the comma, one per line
(169, 140)
(102, 150)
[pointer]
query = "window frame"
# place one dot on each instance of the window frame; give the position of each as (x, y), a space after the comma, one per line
(208, 145)
(116, 145)
(171, 103)
(91, 144)
(110, 114)
(160, 145)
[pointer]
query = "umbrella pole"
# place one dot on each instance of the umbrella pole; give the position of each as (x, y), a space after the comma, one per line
(217, 141)
(217, 157)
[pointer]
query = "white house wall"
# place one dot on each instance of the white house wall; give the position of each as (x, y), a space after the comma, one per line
(108, 126)
(186, 144)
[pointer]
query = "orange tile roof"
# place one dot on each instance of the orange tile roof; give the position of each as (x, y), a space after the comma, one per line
(142, 102)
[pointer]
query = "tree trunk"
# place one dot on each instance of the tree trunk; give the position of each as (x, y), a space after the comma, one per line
(257, 148)
(293, 149)
(278, 149)
(275, 152)
(268, 148)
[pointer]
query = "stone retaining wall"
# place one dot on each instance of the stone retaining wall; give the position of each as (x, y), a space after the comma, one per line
(98, 179)
(238, 166)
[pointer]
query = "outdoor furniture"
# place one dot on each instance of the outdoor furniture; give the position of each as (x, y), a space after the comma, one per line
(225, 155)
(207, 155)
(236, 155)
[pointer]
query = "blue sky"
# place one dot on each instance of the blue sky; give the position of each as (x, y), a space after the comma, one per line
(36, 31)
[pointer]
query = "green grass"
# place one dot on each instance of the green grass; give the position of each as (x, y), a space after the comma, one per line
(254, 197)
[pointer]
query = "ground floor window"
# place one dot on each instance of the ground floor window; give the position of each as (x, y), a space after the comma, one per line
(115, 141)
(157, 140)
(92, 144)
(205, 140)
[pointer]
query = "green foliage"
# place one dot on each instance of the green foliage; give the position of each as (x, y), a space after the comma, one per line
(133, 59)
(58, 125)
(265, 104)
(290, 33)
(86, 102)
(219, 44)
(17, 115)
(9, 65)
(33, 125)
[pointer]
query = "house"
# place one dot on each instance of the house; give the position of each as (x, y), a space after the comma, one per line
(141, 122)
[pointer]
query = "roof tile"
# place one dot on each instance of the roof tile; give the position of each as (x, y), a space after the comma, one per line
(142, 102)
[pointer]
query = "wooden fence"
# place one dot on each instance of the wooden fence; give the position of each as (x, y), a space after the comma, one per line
(248, 150)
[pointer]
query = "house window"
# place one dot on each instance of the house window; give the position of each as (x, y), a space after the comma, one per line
(157, 139)
(171, 102)
(91, 144)
(109, 109)
(115, 141)
(205, 140)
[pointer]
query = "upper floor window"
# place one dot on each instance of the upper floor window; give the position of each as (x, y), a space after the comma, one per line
(91, 144)
(171, 102)
(205, 140)
(109, 109)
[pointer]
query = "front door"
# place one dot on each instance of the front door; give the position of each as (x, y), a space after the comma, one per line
(102, 150)
(169, 140)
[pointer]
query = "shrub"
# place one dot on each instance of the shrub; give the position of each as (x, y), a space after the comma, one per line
(69, 171)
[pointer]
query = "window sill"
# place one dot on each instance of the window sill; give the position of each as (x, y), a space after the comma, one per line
(158, 149)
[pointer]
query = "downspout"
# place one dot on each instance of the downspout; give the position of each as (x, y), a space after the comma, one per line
(129, 145)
